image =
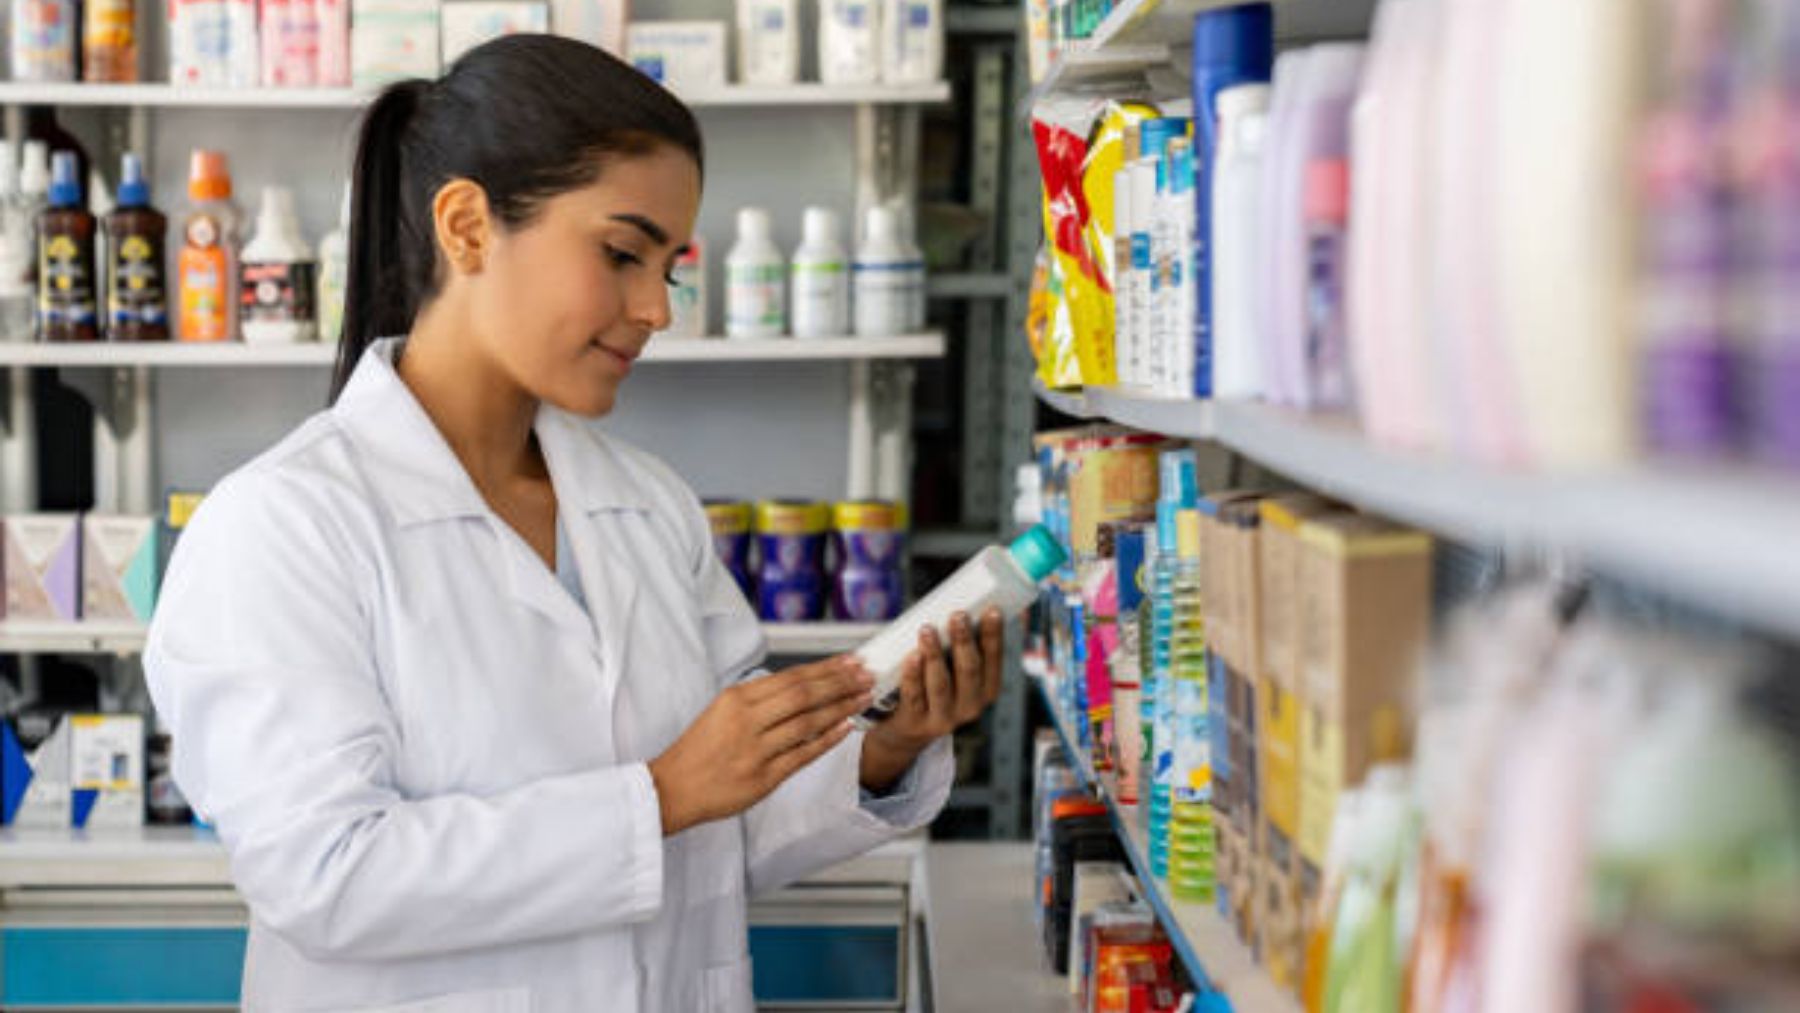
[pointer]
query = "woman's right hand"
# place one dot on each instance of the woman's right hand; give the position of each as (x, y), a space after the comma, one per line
(754, 736)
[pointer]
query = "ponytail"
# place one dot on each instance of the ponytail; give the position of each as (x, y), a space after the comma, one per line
(382, 291)
(526, 117)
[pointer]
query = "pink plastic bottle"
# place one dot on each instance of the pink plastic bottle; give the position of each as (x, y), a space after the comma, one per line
(1476, 388)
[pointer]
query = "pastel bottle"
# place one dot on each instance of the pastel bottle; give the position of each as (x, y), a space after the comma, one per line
(1236, 228)
(1570, 103)
(1320, 127)
(18, 305)
(1770, 150)
(1476, 377)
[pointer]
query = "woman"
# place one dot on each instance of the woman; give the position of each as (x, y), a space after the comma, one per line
(459, 680)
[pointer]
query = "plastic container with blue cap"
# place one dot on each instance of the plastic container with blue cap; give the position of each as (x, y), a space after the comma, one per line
(1232, 46)
(1002, 578)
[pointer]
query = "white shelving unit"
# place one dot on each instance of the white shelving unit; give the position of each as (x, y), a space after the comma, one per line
(661, 350)
(1724, 537)
(124, 639)
(1201, 937)
(167, 96)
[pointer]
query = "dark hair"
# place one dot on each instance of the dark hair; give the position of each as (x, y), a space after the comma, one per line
(527, 117)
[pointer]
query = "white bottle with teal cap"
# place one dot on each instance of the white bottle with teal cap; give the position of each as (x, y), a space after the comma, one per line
(1000, 578)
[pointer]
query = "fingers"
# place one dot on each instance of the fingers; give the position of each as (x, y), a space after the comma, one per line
(808, 725)
(912, 684)
(993, 655)
(811, 688)
(787, 764)
(968, 684)
(757, 691)
(940, 699)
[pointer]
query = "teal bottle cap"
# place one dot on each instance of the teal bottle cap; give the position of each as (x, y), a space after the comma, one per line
(1038, 553)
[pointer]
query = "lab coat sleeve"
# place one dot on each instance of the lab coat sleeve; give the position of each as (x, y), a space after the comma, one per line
(261, 660)
(820, 816)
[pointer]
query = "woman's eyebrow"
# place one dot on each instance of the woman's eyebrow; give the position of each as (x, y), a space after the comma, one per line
(657, 233)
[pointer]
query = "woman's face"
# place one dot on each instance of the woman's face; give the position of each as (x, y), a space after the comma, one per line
(566, 303)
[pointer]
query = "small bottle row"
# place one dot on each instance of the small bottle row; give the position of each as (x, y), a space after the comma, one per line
(76, 266)
(803, 561)
(820, 292)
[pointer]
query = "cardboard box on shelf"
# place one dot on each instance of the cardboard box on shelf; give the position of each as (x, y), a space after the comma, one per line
(679, 54)
(43, 566)
(87, 772)
(118, 567)
(1278, 728)
(1365, 597)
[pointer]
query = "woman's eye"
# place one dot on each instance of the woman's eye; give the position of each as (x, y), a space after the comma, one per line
(621, 258)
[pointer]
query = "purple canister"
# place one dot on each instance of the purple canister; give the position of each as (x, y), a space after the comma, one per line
(868, 541)
(791, 580)
(731, 539)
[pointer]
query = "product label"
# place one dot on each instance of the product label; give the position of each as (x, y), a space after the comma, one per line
(204, 273)
(134, 282)
(821, 299)
(883, 303)
(45, 50)
(278, 292)
(753, 297)
(1193, 753)
(66, 289)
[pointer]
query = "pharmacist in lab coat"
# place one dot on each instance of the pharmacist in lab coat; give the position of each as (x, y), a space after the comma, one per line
(459, 680)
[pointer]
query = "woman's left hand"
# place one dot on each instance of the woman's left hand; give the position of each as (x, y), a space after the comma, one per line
(936, 698)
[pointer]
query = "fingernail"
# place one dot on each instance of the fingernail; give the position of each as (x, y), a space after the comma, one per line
(962, 622)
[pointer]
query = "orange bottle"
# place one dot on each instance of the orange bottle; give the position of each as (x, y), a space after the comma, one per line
(206, 266)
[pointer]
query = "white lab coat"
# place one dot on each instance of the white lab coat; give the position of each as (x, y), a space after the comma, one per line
(427, 762)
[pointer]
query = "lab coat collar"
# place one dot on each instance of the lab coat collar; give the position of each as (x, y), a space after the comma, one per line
(418, 476)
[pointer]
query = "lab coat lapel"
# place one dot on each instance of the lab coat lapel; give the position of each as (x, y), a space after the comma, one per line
(608, 574)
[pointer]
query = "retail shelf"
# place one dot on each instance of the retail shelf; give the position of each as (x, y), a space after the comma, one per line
(1071, 403)
(1202, 938)
(951, 543)
(817, 638)
(1138, 43)
(315, 354)
(1722, 537)
(24, 636)
(166, 96)
(182, 856)
(123, 638)
(1155, 413)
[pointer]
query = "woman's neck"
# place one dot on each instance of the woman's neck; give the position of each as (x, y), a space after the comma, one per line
(484, 416)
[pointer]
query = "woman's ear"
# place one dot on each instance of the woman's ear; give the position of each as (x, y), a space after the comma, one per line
(464, 225)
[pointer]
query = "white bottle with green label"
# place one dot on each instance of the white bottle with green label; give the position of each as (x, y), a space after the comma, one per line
(1000, 578)
(821, 274)
(755, 280)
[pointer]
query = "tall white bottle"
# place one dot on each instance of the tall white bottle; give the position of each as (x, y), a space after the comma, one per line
(755, 280)
(278, 276)
(912, 41)
(995, 578)
(821, 279)
(1570, 103)
(23, 209)
(1237, 189)
(882, 294)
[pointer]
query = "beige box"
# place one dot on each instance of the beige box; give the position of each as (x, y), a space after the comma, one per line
(1365, 597)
